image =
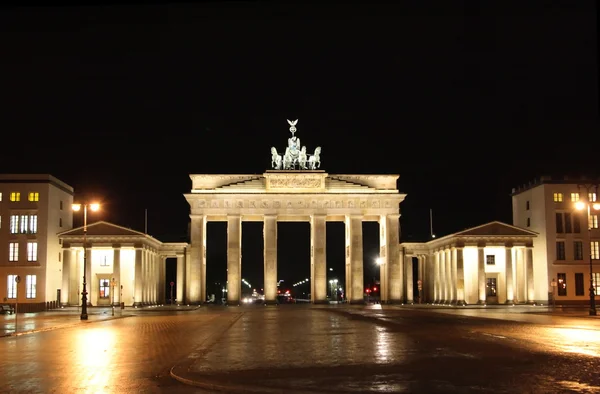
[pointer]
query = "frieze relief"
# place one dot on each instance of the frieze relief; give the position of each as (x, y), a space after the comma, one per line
(296, 182)
(293, 204)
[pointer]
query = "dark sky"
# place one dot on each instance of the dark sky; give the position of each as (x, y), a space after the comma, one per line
(464, 100)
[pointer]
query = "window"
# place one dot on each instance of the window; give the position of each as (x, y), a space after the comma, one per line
(30, 286)
(578, 250)
(34, 196)
(0, 196)
(568, 228)
(527, 206)
(14, 224)
(594, 250)
(60, 205)
(13, 251)
(59, 257)
(562, 284)
(490, 289)
(32, 249)
(59, 222)
(579, 290)
(576, 224)
(574, 197)
(15, 196)
(528, 222)
(558, 197)
(559, 222)
(560, 250)
(596, 280)
(593, 221)
(104, 263)
(592, 197)
(490, 259)
(11, 286)
(23, 224)
(104, 288)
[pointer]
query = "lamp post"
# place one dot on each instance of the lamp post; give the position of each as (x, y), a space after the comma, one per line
(76, 208)
(580, 205)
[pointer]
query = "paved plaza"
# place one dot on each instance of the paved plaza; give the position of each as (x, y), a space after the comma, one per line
(303, 349)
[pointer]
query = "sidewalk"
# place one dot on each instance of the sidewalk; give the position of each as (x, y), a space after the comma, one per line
(28, 323)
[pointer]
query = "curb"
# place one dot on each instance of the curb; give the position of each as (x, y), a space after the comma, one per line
(20, 333)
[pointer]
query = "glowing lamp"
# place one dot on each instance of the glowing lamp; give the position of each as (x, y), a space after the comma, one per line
(579, 205)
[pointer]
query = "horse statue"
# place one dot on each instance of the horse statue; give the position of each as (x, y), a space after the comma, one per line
(288, 160)
(275, 159)
(302, 158)
(314, 161)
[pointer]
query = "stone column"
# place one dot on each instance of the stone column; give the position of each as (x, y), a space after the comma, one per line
(436, 278)
(510, 289)
(162, 282)
(354, 224)
(529, 267)
(453, 273)
(234, 259)
(460, 277)
(65, 291)
(392, 259)
(138, 280)
(481, 275)
(383, 266)
(444, 277)
(144, 300)
(180, 277)
(88, 276)
(408, 264)
(196, 286)
(318, 235)
(420, 279)
(116, 298)
(270, 258)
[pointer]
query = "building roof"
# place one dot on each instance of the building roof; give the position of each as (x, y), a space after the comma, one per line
(36, 178)
(554, 180)
(102, 228)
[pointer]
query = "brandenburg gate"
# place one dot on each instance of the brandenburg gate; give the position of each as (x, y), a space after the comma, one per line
(297, 190)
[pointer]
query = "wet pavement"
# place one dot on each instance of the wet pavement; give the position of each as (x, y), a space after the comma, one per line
(306, 349)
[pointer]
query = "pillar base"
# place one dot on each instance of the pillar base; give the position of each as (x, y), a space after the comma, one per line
(509, 302)
(137, 305)
(461, 303)
(481, 302)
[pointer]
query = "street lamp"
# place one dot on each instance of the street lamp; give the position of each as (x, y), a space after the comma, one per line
(580, 205)
(77, 207)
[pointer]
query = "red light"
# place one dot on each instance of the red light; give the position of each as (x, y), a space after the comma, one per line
(374, 288)
(368, 290)
(278, 291)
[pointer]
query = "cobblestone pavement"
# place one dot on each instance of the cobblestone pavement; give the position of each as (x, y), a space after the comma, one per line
(306, 349)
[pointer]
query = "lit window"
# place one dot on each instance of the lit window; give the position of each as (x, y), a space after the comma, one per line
(574, 197)
(593, 221)
(592, 197)
(104, 288)
(562, 284)
(32, 251)
(13, 251)
(34, 196)
(14, 224)
(33, 222)
(30, 286)
(11, 286)
(558, 197)
(24, 224)
(595, 250)
(0, 196)
(15, 196)
(596, 286)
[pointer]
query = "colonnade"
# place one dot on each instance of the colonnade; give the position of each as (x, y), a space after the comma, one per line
(391, 268)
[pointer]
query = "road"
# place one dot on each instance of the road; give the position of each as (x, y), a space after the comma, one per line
(304, 348)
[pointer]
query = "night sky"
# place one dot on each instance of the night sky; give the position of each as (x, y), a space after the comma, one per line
(465, 100)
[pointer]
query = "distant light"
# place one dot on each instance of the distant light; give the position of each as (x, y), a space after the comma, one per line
(95, 207)
(596, 206)
(579, 205)
(76, 207)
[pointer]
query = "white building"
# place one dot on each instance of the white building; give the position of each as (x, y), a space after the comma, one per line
(33, 209)
(122, 266)
(488, 264)
(564, 245)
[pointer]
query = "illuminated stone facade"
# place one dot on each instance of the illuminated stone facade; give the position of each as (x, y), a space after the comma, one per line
(311, 196)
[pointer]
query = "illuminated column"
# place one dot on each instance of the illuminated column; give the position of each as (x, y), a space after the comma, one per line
(270, 258)
(445, 276)
(392, 259)
(138, 291)
(510, 289)
(460, 276)
(162, 281)
(234, 259)
(436, 278)
(408, 264)
(453, 272)
(65, 291)
(529, 267)
(155, 276)
(318, 259)
(180, 277)
(354, 247)
(196, 281)
(481, 275)
(116, 298)
(91, 283)
(442, 268)
(145, 276)
(420, 278)
(383, 266)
